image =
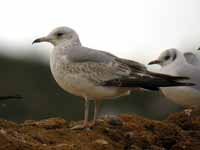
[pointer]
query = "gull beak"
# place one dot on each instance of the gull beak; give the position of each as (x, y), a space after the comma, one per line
(154, 62)
(42, 39)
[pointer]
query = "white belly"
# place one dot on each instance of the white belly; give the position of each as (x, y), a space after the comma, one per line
(82, 87)
(182, 95)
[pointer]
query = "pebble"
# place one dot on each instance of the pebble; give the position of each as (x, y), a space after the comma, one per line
(101, 141)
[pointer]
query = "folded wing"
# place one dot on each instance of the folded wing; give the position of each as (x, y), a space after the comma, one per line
(105, 69)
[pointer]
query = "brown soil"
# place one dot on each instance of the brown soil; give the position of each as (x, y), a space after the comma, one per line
(124, 132)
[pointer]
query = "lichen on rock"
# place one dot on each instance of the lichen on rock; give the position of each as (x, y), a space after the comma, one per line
(123, 132)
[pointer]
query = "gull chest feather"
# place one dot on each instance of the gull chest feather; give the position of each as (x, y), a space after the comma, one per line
(62, 73)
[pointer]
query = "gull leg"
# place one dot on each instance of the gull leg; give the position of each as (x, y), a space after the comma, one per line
(96, 112)
(85, 124)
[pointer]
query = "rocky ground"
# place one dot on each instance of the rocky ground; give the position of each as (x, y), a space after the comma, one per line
(124, 132)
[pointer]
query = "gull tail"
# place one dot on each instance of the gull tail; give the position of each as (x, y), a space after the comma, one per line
(163, 80)
(167, 81)
(169, 77)
(149, 80)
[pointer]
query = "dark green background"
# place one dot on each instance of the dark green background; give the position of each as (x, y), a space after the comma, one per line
(44, 98)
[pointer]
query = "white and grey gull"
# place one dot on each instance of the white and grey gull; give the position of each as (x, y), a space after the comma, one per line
(97, 75)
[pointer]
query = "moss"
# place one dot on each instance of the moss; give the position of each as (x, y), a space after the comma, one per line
(123, 132)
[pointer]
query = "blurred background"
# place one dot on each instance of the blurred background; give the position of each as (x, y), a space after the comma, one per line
(137, 30)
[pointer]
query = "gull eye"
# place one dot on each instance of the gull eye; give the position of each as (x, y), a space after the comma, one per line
(167, 57)
(59, 34)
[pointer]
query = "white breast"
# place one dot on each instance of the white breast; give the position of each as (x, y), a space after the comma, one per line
(80, 86)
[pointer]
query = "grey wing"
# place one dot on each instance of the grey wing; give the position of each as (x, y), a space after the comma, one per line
(98, 73)
(117, 74)
(106, 66)
(113, 74)
(191, 58)
(109, 65)
(84, 54)
(102, 67)
(106, 69)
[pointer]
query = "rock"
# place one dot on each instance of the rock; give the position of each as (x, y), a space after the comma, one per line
(115, 121)
(50, 123)
(123, 132)
(101, 142)
(7, 124)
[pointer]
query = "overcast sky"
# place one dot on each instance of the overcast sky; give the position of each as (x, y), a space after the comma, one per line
(135, 29)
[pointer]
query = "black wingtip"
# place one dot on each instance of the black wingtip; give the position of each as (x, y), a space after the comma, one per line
(180, 78)
(169, 77)
(11, 97)
(188, 84)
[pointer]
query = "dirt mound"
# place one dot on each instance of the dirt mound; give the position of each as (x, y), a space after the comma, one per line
(124, 132)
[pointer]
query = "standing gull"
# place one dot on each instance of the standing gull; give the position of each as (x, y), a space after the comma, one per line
(174, 62)
(96, 75)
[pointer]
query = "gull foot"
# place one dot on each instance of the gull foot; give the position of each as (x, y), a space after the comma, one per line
(93, 124)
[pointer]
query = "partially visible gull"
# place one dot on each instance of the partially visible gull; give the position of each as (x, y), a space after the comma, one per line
(174, 62)
(97, 75)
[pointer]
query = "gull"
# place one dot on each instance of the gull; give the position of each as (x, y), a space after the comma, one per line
(174, 62)
(96, 75)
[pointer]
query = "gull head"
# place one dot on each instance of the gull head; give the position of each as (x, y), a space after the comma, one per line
(60, 35)
(166, 57)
